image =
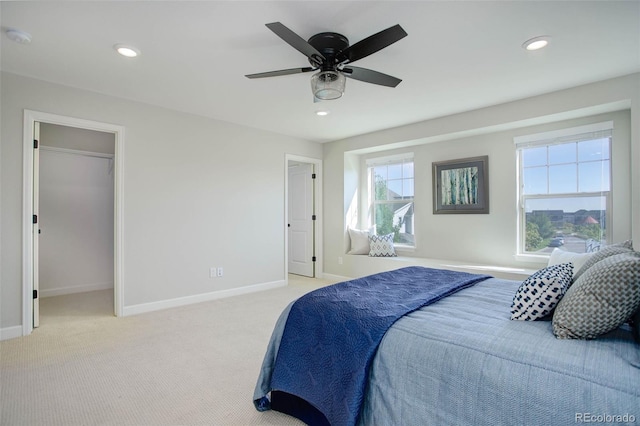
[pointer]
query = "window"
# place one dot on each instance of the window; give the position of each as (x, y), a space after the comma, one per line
(391, 189)
(565, 189)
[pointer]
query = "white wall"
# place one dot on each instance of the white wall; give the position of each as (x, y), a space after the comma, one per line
(486, 239)
(76, 222)
(197, 193)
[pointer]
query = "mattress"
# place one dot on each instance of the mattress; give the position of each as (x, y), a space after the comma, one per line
(463, 361)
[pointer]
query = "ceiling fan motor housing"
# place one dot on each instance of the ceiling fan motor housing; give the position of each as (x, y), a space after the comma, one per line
(329, 45)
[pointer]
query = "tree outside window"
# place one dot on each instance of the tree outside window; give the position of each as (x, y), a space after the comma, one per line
(392, 199)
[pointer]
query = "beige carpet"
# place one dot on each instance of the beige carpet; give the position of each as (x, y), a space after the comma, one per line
(193, 365)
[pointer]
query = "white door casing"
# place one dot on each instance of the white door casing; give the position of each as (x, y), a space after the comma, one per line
(29, 271)
(301, 222)
(36, 225)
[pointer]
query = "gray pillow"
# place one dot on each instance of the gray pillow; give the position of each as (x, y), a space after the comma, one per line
(624, 247)
(602, 299)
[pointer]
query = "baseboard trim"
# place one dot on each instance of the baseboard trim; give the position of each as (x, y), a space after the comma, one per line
(10, 332)
(198, 298)
(336, 278)
(75, 289)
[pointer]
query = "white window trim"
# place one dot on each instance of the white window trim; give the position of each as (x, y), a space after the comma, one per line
(567, 135)
(389, 159)
(559, 136)
(382, 161)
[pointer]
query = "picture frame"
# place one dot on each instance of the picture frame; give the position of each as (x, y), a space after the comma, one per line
(461, 186)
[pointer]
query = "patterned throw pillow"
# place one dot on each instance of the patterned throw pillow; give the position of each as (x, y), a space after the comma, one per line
(602, 299)
(612, 250)
(541, 292)
(381, 246)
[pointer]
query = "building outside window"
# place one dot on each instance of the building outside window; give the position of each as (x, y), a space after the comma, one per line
(565, 189)
(391, 192)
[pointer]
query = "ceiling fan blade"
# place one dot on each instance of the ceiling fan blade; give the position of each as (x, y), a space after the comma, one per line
(296, 42)
(280, 72)
(370, 76)
(372, 44)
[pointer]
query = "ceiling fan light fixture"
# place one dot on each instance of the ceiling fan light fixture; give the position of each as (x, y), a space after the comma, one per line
(328, 85)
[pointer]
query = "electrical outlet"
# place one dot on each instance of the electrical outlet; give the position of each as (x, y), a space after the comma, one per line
(212, 272)
(339, 260)
(220, 271)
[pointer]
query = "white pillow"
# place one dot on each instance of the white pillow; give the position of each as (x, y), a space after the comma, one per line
(559, 257)
(359, 241)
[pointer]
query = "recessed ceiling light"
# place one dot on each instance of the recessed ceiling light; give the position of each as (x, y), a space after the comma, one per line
(322, 113)
(18, 36)
(126, 50)
(536, 43)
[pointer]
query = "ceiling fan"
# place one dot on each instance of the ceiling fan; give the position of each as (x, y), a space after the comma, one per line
(330, 55)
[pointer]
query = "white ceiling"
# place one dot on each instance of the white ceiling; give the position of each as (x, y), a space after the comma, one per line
(458, 56)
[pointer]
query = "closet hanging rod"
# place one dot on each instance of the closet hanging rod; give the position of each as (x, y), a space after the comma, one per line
(77, 152)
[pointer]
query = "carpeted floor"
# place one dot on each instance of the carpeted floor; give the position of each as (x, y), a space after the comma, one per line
(193, 365)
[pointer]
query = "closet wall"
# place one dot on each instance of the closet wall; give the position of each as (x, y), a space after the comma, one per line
(76, 210)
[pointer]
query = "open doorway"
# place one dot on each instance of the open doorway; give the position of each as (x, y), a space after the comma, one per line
(303, 191)
(72, 211)
(75, 200)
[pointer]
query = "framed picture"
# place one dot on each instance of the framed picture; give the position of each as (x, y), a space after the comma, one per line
(461, 186)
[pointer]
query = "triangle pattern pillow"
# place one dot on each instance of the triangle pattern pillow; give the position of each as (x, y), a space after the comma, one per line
(539, 294)
(381, 246)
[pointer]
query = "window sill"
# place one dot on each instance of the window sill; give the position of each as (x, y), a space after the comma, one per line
(362, 265)
(402, 248)
(532, 258)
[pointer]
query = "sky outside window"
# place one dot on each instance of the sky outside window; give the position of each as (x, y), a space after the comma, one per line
(574, 167)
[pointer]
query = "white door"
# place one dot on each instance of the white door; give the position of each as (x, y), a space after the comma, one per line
(301, 220)
(36, 225)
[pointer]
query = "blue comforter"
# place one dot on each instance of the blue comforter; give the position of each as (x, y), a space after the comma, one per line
(332, 334)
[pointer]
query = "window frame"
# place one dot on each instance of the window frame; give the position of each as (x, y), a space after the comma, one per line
(388, 160)
(563, 136)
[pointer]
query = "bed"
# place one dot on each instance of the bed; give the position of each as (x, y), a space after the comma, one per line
(460, 359)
